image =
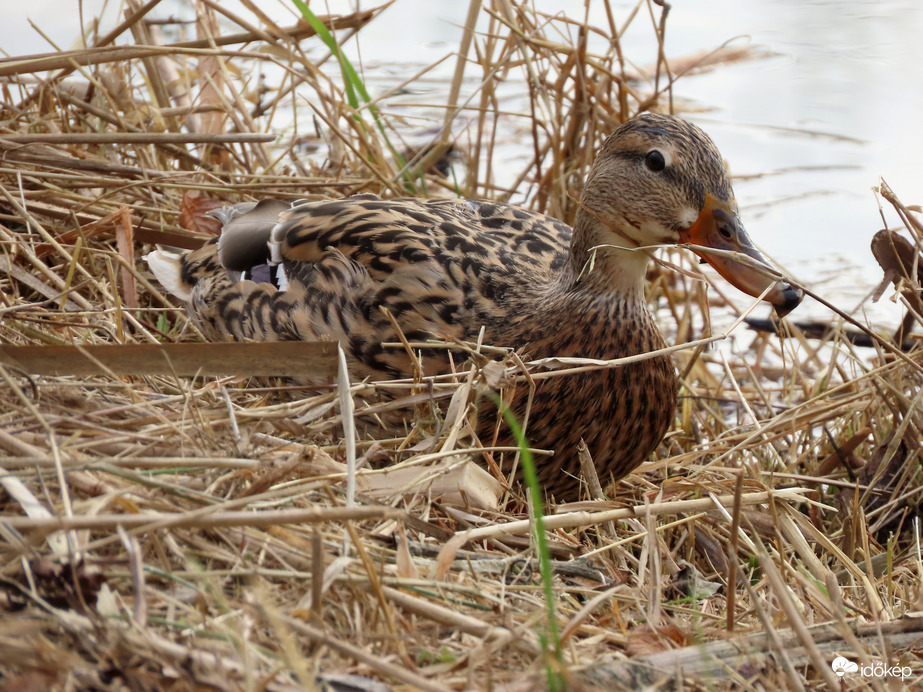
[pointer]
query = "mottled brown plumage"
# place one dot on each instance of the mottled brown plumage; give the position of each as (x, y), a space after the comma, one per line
(445, 268)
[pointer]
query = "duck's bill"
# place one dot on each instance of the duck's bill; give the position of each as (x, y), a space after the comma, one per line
(718, 228)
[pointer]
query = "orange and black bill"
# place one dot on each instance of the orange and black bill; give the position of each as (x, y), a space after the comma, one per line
(719, 228)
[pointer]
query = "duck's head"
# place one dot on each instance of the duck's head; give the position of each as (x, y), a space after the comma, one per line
(661, 180)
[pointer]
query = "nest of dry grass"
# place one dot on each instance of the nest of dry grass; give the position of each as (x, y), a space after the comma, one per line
(167, 532)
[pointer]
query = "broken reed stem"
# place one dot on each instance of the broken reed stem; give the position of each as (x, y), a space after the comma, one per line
(584, 519)
(137, 138)
(732, 551)
(203, 519)
(44, 62)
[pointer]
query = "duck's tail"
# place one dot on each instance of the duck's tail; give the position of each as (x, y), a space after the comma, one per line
(167, 265)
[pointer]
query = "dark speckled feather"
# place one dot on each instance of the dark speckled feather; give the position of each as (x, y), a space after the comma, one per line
(447, 268)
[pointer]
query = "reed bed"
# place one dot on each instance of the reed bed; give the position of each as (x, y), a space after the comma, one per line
(162, 531)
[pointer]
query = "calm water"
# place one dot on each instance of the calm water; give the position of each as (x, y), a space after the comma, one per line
(808, 130)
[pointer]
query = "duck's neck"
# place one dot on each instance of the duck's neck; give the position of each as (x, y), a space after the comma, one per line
(604, 262)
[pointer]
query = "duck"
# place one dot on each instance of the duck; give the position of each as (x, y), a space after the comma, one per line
(446, 269)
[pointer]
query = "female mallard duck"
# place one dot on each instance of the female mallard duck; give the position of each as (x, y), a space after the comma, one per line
(445, 268)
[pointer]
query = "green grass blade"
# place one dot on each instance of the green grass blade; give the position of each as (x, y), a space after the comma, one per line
(555, 679)
(353, 84)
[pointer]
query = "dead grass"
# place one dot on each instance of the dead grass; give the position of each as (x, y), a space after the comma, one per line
(169, 532)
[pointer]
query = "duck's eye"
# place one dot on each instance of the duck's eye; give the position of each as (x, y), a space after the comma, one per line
(655, 161)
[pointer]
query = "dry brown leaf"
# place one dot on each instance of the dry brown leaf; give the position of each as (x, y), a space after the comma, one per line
(192, 213)
(896, 255)
(652, 639)
(844, 454)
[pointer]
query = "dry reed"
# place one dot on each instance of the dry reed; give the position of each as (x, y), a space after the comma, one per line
(161, 531)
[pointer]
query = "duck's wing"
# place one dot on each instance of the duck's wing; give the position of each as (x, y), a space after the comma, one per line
(485, 241)
(441, 268)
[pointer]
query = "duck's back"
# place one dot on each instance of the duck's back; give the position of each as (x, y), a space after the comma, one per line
(476, 242)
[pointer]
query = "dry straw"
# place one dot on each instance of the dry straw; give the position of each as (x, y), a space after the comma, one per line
(169, 526)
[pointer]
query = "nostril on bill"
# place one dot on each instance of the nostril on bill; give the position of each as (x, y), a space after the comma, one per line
(726, 224)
